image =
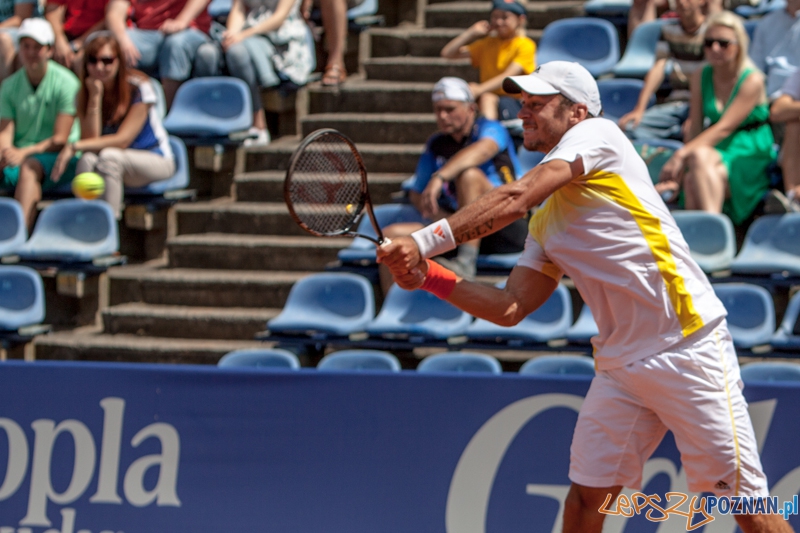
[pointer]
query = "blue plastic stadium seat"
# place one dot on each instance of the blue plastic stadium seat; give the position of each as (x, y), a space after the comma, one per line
(772, 245)
(788, 335)
(614, 11)
(710, 236)
(417, 315)
(215, 106)
(751, 313)
(619, 96)
(528, 159)
(770, 371)
(261, 359)
(73, 230)
(640, 53)
(362, 250)
(161, 99)
(592, 42)
(219, 8)
(326, 304)
(655, 153)
(21, 297)
(13, 232)
(359, 361)
(581, 365)
(460, 362)
(763, 7)
(178, 181)
(582, 331)
(550, 321)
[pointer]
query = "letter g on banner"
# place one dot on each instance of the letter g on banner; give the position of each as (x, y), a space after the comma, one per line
(471, 485)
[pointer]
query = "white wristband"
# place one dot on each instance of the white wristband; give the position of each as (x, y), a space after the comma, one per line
(434, 239)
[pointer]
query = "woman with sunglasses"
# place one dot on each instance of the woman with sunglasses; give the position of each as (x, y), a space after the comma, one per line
(729, 143)
(122, 138)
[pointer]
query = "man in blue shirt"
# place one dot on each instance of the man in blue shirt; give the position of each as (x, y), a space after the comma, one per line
(467, 157)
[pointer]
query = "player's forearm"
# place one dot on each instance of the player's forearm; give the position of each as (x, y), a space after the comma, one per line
(492, 212)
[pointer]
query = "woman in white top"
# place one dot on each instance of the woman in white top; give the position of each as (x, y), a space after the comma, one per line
(122, 138)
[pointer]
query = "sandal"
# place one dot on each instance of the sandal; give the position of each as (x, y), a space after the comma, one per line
(334, 76)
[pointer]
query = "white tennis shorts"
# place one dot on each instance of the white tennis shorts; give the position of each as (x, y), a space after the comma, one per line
(694, 390)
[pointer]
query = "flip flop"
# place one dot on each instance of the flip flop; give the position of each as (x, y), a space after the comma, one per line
(334, 75)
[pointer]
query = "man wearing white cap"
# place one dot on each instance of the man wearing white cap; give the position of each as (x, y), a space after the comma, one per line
(466, 157)
(664, 356)
(37, 116)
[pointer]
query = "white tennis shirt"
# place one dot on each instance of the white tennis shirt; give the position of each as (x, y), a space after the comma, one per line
(610, 232)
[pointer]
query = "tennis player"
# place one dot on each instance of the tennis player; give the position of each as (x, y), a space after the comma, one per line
(664, 356)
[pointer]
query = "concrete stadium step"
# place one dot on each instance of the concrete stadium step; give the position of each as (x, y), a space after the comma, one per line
(372, 96)
(134, 349)
(253, 252)
(171, 321)
(268, 186)
(377, 157)
(200, 287)
(400, 128)
(428, 69)
(464, 14)
(420, 42)
(236, 218)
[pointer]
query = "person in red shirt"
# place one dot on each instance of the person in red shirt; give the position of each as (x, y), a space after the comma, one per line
(73, 21)
(163, 38)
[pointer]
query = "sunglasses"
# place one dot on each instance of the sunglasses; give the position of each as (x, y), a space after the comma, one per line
(708, 43)
(93, 60)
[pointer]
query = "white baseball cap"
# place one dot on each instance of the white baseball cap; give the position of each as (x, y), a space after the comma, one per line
(450, 88)
(570, 79)
(37, 29)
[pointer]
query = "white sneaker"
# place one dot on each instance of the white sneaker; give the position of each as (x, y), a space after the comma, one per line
(257, 137)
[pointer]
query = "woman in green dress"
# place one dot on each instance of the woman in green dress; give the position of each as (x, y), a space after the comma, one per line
(729, 144)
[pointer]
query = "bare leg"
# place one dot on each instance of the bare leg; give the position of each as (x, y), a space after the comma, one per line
(170, 88)
(706, 181)
(487, 104)
(791, 158)
(334, 21)
(581, 508)
(29, 190)
(763, 523)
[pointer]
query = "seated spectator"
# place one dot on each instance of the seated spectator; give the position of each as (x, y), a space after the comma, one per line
(645, 11)
(73, 21)
(786, 109)
(164, 36)
(467, 157)
(685, 42)
(776, 45)
(498, 48)
(122, 138)
(12, 13)
(334, 24)
(722, 167)
(37, 116)
(265, 43)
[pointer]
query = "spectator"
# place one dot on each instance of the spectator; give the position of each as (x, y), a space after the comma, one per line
(12, 13)
(685, 42)
(498, 48)
(265, 43)
(776, 45)
(165, 36)
(334, 22)
(645, 11)
(722, 167)
(468, 156)
(786, 108)
(122, 138)
(73, 21)
(35, 123)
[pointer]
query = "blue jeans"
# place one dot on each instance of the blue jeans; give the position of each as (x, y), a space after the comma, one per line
(663, 121)
(170, 56)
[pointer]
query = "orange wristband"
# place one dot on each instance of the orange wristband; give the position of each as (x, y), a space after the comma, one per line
(439, 281)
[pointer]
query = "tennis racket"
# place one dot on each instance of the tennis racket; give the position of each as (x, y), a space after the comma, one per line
(326, 187)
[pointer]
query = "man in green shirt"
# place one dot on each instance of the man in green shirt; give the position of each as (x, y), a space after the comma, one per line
(37, 117)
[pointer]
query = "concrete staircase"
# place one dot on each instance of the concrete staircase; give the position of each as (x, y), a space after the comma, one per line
(232, 261)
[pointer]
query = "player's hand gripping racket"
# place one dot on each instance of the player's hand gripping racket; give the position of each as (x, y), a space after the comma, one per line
(326, 187)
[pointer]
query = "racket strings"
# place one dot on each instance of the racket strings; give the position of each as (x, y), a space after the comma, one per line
(325, 187)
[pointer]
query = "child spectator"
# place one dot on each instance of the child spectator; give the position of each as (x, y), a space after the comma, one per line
(12, 13)
(73, 21)
(165, 36)
(37, 116)
(122, 138)
(265, 43)
(786, 108)
(722, 167)
(498, 48)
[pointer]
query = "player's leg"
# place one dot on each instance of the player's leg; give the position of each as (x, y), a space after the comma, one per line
(581, 505)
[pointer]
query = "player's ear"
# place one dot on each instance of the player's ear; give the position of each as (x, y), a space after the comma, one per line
(578, 113)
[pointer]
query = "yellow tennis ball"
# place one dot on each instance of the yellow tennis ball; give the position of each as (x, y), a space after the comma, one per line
(88, 185)
(349, 208)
